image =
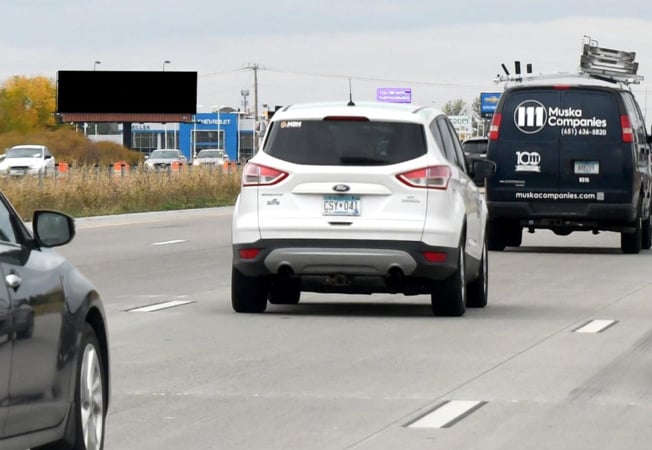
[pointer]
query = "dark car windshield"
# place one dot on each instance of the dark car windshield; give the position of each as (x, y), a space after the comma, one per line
(345, 142)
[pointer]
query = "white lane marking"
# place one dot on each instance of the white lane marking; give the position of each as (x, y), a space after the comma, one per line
(176, 241)
(165, 305)
(447, 414)
(595, 326)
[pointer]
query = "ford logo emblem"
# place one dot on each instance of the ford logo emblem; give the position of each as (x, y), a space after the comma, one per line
(341, 188)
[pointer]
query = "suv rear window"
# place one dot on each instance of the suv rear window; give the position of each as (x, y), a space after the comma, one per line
(345, 142)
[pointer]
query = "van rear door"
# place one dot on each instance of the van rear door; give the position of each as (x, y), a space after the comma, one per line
(593, 158)
(527, 150)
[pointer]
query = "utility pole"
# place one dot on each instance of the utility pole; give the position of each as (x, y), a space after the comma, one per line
(255, 68)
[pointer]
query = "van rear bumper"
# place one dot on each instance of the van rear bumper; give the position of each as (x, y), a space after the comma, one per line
(571, 212)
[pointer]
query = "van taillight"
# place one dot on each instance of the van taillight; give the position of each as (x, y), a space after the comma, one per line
(258, 175)
(494, 129)
(626, 126)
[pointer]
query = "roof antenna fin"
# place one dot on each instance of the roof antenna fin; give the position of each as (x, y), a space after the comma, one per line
(350, 95)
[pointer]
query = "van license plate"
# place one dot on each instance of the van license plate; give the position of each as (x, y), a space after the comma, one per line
(341, 205)
(587, 167)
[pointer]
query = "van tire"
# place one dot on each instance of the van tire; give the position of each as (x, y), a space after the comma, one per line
(495, 236)
(514, 235)
(631, 243)
(477, 291)
(646, 234)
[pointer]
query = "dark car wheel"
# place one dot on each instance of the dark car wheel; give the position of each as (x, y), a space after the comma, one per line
(90, 398)
(478, 289)
(285, 291)
(248, 294)
(448, 297)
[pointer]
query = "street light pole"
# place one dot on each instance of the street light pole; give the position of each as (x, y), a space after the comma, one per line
(164, 63)
(95, 64)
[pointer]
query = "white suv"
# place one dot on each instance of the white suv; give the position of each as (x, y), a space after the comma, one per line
(360, 198)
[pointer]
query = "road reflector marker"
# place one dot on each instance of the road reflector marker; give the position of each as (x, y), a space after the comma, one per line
(176, 241)
(159, 306)
(595, 326)
(447, 414)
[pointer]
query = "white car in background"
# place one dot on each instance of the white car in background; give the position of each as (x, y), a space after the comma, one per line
(360, 199)
(22, 160)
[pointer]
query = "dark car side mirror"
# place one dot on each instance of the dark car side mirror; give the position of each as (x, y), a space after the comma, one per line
(52, 228)
(481, 168)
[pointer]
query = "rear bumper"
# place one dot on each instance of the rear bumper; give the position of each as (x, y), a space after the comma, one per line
(344, 257)
(595, 215)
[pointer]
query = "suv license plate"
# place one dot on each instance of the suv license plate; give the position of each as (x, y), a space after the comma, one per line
(341, 205)
(587, 167)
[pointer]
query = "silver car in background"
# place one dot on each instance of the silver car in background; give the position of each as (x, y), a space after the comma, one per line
(164, 159)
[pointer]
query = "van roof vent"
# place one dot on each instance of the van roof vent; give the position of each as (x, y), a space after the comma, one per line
(599, 63)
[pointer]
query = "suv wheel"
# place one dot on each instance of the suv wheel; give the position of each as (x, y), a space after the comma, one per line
(285, 291)
(448, 297)
(478, 289)
(248, 294)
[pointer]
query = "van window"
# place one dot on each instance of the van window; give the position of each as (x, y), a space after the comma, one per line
(634, 113)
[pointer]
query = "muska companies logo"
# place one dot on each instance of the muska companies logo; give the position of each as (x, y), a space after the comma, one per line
(531, 117)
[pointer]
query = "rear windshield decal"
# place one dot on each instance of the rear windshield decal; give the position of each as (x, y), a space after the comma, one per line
(532, 116)
(291, 124)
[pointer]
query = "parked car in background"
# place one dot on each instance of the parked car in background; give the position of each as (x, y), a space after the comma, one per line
(21, 160)
(360, 199)
(163, 159)
(210, 157)
(475, 147)
(54, 345)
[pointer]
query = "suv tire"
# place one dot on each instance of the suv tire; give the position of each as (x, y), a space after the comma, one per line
(248, 294)
(285, 291)
(448, 297)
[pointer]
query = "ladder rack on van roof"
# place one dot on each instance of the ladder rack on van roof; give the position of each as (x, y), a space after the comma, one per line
(614, 66)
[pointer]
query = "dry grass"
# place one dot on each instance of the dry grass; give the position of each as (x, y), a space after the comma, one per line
(91, 191)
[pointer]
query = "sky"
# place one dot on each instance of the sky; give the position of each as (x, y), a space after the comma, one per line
(312, 51)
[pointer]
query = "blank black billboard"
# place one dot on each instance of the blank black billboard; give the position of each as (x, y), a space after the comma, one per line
(126, 92)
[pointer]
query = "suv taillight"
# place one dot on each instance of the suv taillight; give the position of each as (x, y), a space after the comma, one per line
(433, 177)
(258, 175)
(494, 129)
(626, 126)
